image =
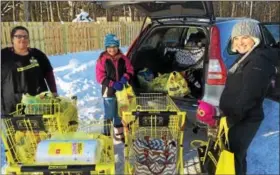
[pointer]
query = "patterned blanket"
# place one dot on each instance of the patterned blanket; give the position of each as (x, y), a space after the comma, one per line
(155, 156)
(185, 58)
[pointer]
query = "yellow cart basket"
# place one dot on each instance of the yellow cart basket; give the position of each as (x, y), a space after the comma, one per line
(21, 135)
(156, 116)
(59, 114)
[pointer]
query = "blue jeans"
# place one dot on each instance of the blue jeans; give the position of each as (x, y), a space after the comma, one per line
(111, 113)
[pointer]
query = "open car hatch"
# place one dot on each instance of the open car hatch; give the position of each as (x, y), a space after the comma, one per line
(169, 9)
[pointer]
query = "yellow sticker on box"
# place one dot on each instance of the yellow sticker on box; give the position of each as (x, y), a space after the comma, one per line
(66, 148)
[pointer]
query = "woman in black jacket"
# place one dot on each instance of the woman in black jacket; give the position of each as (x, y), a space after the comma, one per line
(247, 83)
(23, 70)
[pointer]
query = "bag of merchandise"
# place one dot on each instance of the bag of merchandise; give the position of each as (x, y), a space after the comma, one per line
(38, 104)
(145, 77)
(173, 83)
(125, 99)
(177, 86)
(64, 108)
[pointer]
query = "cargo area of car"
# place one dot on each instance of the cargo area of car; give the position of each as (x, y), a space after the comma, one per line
(157, 51)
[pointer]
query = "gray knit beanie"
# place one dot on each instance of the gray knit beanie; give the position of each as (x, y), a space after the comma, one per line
(246, 27)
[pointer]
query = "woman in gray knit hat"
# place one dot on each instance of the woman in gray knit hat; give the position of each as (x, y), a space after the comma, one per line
(247, 82)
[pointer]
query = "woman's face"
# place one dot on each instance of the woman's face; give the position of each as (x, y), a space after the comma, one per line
(243, 44)
(112, 50)
(21, 39)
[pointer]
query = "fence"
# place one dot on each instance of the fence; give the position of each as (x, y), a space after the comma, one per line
(59, 38)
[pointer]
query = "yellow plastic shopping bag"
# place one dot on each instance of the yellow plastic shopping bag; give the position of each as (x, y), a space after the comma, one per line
(217, 157)
(125, 99)
(226, 164)
(176, 85)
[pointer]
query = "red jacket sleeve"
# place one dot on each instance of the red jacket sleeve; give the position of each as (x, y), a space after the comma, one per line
(129, 68)
(101, 74)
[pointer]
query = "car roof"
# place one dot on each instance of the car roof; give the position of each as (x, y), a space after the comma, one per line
(227, 19)
(218, 20)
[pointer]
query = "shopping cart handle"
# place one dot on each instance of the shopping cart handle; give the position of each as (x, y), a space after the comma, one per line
(26, 116)
(56, 168)
(6, 116)
(146, 113)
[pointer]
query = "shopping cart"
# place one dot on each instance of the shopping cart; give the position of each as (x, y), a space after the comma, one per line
(60, 114)
(155, 116)
(22, 134)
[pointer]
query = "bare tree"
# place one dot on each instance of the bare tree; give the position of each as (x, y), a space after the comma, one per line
(14, 11)
(124, 11)
(51, 11)
(32, 13)
(233, 9)
(48, 11)
(244, 8)
(131, 12)
(136, 15)
(26, 11)
(66, 10)
(251, 9)
(5, 7)
(109, 15)
(93, 11)
(58, 11)
(41, 11)
(71, 10)
(221, 7)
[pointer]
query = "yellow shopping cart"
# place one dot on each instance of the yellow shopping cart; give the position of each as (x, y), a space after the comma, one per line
(61, 153)
(59, 114)
(155, 116)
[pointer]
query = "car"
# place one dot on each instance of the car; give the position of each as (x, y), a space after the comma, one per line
(173, 22)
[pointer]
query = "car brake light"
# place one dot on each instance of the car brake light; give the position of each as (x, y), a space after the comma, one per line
(216, 70)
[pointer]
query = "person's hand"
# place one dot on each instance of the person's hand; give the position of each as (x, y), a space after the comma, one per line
(123, 80)
(118, 86)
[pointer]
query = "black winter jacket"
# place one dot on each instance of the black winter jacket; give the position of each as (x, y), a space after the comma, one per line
(22, 74)
(246, 88)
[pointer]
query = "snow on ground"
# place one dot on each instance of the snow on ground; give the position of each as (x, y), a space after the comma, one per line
(263, 155)
(75, 75)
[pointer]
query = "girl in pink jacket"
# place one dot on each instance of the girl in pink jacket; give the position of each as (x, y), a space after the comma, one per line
(113, 70)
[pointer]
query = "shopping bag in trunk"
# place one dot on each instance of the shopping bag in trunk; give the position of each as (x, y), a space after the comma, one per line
(125, 99)
(217, 158)
(176, 85)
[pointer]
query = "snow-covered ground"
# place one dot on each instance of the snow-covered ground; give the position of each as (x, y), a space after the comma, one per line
(75, 75)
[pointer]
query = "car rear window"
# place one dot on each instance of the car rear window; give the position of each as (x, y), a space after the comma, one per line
(164, 35)
(169, 36)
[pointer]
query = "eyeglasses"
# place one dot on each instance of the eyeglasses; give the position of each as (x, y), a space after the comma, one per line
(22, 36)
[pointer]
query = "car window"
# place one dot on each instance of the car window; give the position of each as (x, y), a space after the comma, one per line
(268, 37)
(191, 30)
(172, 35)
(271, 32)
(152, 41)
(163, 35)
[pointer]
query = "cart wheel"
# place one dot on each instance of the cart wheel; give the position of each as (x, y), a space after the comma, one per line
(195, 129)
